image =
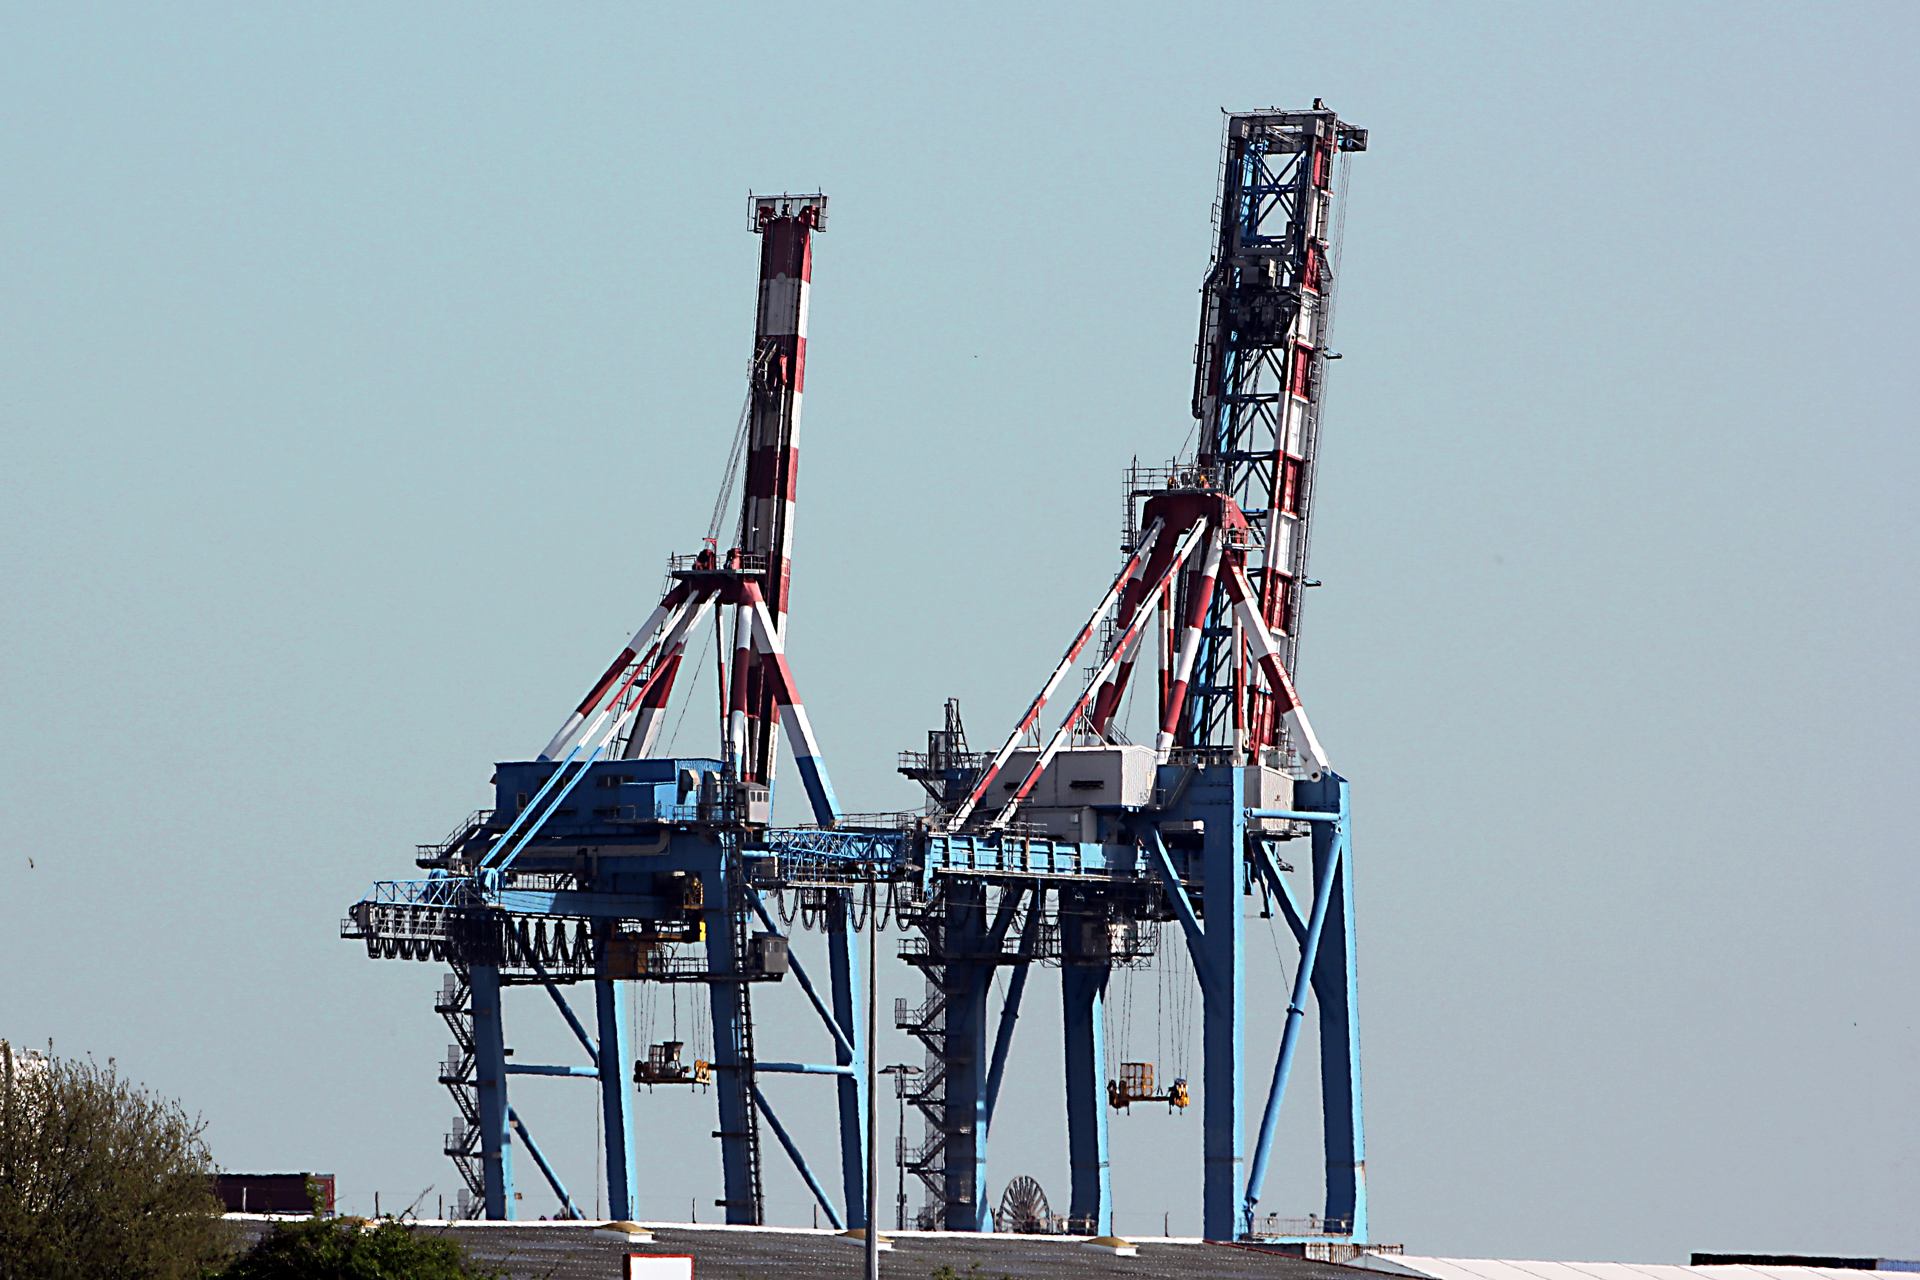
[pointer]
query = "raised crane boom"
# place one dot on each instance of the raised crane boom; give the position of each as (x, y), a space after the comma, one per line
(1259, 375)
(786, 225)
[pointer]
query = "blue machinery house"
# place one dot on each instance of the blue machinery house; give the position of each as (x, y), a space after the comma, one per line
(601, 863)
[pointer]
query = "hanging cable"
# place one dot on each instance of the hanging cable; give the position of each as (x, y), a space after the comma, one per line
(674, 737)
(731, 476)
(1159, 1012)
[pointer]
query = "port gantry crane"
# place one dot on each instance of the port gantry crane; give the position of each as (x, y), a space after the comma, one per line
(1072, 847)
(602, 863)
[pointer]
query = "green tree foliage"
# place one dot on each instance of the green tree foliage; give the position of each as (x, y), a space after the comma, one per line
(98, 1177)
(351, 1249)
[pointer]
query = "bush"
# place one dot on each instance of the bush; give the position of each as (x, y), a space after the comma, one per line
(98, 1177)
(350, 1249)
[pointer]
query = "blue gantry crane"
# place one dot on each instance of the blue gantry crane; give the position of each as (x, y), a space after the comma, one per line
(1069, 846)
(602, 863)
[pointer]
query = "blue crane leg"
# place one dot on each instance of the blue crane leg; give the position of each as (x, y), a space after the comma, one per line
(1326, 849)
(729, 1053)
(568, 1208)
(843, 958)
(616, 1098)
(1223, 856)
(800, 1165)
(490, 1074)
(1083, 993)
(1003, 1038)
(966, 1046)
(1335, 994)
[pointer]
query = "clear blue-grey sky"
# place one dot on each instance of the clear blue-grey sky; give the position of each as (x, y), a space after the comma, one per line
(359, 364)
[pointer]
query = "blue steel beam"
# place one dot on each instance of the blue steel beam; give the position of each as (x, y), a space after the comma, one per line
(806, 1068)
(966, 1048)
(1296, 1011)
(1222, 990)
(1177, 895)
(500, 855)
(490, 1078)
(1082, 996)
(545, 1069)
(850, 1090)
(729, 1047)
(1335, 992)
(1003, 917)
(577, 902)
(546, 1170)
(560, 1002)
(1297, 815)
(1003, 1037)
(616, 1098)
(1026, 855)
(799, 1161)
(1269, 871)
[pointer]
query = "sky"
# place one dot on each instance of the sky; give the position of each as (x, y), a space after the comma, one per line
(360, 364)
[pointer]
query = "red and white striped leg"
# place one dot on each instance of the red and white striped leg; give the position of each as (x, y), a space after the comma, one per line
(1141, 613)
(1128, 573)
(668, 609)
(807, 756)
(1267, 654)
(659, 687)
(1199, 598)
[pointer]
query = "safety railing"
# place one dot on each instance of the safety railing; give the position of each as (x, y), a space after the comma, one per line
(440, 891)
(1273, 1224)
(706, 562)
(470, 826)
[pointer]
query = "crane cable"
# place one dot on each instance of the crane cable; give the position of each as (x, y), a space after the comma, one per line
(738, 450)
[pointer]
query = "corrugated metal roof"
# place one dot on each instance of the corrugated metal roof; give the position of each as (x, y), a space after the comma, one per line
(1502, 1269)
(557, 1251)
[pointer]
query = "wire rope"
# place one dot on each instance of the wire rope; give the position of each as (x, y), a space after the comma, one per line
(731, 475)
(706, 639)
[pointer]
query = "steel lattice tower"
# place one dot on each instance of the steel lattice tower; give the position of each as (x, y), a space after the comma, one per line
(1259, 378)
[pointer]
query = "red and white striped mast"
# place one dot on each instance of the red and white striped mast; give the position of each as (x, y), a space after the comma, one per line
(752, 581)
(786, 225)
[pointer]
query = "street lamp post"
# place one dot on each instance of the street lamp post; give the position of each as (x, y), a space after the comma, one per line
(873, 1082)
(900, 1071)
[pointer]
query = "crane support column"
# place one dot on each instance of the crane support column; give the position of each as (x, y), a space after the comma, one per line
(490, 1063)
(1222, 994)
(1336, 996)
(616, 1099)
(732, 1053)
(844, 962)
(1083, 984)
(968, 978)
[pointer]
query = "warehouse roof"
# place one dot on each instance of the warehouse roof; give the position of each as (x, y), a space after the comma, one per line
(571, 1251)
(1493, 1269)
